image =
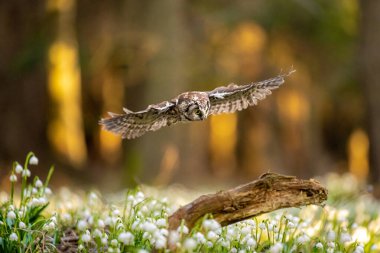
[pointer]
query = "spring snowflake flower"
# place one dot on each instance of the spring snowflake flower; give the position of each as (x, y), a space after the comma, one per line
(200, 237)
(26, 173)
(246, 230)
(345, 237)
(86, 237)
(21, 225)
(13, 237)
(13, 178)
(331, 236)
(174, 237)
(359, 249)
(331, 245)
(48, 191)
(251, 243)
(126, 238)
(38, 183)
(276, 248)
(116, 212)
(212, 236)
(183, 229)
(101, 223)
(33, 160)
(291, 225)
(149, 227)
(161, 222)
(97, 233)
(190, 244)
(82, 225)
(303, 239)
(160, 242)
(319, 245)
(11, 215)
(114, 242)
(262, 226)
(104, 240)
(18, 168)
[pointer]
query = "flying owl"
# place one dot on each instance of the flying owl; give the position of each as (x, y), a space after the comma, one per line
(190, 106)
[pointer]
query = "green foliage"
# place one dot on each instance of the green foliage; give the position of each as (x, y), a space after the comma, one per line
(140, 224)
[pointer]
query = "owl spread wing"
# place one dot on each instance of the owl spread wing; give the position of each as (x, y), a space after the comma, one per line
(134, 124)
(238, 97)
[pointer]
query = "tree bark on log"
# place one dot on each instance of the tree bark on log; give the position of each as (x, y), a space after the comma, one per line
(270, 192)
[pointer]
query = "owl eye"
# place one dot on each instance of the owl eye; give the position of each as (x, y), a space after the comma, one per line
(198, 112)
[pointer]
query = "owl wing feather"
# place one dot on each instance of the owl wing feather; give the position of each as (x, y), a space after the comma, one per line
(231, 98)
(134, 124)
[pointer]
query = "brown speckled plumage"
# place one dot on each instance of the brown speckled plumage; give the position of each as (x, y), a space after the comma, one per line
(190, 106)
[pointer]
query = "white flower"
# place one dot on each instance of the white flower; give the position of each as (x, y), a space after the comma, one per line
(291, 225)
(86, 237)
(13, 178)
(331, 245)
(276, 248)
(149, 227)
(319, 245)
(200, 237)
(161, 222)
(48, 191)
(66, 217)
(101, 223)
(173, 237)
(142, 251)
(18, 169)
(104, 240)
(38, 183)
(359, 249)
(127, 238)
(42, 201)
(251, 243)
(116, 212)
(303, 239)
(190, 244)
(211, 235)
(233, 250)
(345, 237)
(246, 230)
(114, 242)
(33, 160)
(26, 173)
(262, 226)
(13, 237)
(21, 225)
(330, 236)
(82, 225)
(183, 229)
(160, 242)
(11, 215)
(80, 247)
(34, 190)
(97, 233)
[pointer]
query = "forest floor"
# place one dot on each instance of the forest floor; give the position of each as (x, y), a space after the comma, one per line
(34, 219)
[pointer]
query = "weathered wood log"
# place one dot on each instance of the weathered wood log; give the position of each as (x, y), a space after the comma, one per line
(270, 192)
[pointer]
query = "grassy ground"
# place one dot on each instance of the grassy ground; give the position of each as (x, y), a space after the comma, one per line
(136, 221)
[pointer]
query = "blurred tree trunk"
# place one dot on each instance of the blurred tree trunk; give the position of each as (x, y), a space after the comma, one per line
(23, 96)
(370, 74)
(165, 80)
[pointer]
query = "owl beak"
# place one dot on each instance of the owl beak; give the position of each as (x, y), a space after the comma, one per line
(204, 115)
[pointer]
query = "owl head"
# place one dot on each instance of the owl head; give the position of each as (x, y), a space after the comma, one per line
(194, 106)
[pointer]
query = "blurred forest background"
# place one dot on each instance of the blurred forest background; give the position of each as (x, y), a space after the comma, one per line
(65, 63)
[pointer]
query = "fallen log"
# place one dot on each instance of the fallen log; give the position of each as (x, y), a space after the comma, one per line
(270, 192)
